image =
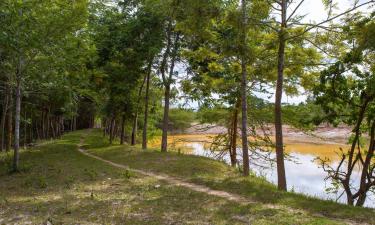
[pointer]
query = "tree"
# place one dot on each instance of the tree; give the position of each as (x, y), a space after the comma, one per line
(222, 62)
(33, 28)
(127, 43)
(282, 26)
(347, 95)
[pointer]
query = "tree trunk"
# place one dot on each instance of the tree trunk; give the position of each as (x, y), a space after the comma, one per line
(245, 146)
(37, 131)
(9, 121)
(281, 178)
(366, 167)
(164, 140)
(135, 122)
(47, 124)
(25, 131)
(111, 130)
(71, 124)
(233, 152)
(75, 123)
(135, 129)
(104, 127)
(122, 139)
(3, 118)
(17, 125)
(31, 129)
(167, 83)
(145, 120)
(42, 126)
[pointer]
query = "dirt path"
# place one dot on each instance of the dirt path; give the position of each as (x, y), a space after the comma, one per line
(198, 188)
(177, 182)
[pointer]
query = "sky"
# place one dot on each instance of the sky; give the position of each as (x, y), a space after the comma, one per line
(314, 12)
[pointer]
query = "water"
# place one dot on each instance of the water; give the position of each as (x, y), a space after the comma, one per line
(304, 175)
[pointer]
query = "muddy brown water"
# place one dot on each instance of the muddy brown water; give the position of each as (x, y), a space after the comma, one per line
(304, 174)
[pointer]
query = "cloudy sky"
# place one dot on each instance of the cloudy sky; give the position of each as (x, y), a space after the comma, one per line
(315, 12)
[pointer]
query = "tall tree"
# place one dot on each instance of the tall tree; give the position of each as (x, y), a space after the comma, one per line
(282, 26)
(34, 27)
(346, 93)
(245, 146)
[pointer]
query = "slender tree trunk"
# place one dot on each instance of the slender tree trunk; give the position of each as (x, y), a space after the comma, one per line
(365, 174)
(122, 139)
(167, 84)
(71, 123)
(135, 122)
(279, 92)
(3, 118)
(37, 130)
(17, 125)
(31, 129)
(52, 128)
(164, 140)
(145, 120)
(25, 131)
(135, 129)
(105, 127)
(233, 155)
(245, 146)
(75, 123)
(42, 126)
(18, 110)
(111, 130)
(47, 124)
(10, 121)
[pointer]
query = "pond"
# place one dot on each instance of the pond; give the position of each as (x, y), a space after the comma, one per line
(304, 175)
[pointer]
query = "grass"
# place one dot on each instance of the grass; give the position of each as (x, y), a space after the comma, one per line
(59, 184)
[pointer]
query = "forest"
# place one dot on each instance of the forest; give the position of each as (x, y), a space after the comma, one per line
(187, 112)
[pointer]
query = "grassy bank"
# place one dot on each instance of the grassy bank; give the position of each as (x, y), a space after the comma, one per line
(59, 184)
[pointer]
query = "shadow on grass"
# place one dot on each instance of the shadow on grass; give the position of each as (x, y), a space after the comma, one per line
(218, 175)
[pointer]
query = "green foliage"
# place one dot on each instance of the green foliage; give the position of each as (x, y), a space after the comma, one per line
(214, 115)
(305, 115)
(181, 119)
(348, 84)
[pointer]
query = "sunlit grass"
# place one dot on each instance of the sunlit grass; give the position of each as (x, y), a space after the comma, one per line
(63, 186)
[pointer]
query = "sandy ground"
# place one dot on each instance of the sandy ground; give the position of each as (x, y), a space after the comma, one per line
(322, 134)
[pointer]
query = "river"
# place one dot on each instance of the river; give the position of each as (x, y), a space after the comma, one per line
(304, 174)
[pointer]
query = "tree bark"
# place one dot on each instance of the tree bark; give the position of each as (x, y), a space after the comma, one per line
(25, 131)
(135, 122)
(17, 125)
(145, 120)
(135, 129)
(167, 84)
(164, 140)
(163, 69)
(281, 177)
(233, 152)
(104, 127)
(245, 146)
(9, 121)
(122, 139)
(364, 186)
(3, 118)
(111, 130)
(47, 124)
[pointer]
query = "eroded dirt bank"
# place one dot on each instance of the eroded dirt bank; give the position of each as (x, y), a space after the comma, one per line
(322, 134)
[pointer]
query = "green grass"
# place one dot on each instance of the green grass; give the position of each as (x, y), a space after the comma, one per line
(218, 175)
(59, 184)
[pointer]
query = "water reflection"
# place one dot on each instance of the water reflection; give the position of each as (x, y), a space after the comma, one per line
(304, 176)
